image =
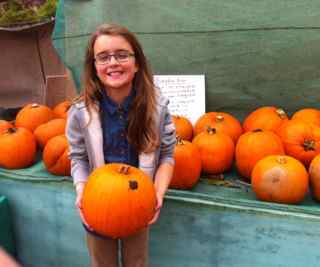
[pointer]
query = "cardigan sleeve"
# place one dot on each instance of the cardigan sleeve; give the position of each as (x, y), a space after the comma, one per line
(78, 154)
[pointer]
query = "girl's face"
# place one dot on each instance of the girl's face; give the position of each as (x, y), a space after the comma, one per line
(115, 62)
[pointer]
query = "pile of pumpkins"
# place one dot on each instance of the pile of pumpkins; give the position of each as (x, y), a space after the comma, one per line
(278, 155)
(36, 127)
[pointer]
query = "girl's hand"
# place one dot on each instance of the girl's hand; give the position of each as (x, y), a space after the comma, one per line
(78, 203)
(159, 198)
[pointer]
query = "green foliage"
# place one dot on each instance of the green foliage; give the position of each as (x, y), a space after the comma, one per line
(13, 12)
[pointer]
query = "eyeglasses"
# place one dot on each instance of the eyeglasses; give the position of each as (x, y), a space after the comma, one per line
(120, 57)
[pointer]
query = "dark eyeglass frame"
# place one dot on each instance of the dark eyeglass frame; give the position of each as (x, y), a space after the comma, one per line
(120, 57)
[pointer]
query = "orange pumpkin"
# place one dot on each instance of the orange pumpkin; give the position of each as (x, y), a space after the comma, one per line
(309, 115)
(281, 179)
(32, 115)
(184, 128)
(187, 166)
(314, 174)
(55, 156)
(265, 118)
(216, 151)
(301, 140)
(5, 125)
(17, 148)
(118, 200)
(61, 109)
(222, 122)
(46, 131)
(253, 146)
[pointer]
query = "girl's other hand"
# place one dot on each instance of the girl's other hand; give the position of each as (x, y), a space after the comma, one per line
(159, 198)
(78, 203)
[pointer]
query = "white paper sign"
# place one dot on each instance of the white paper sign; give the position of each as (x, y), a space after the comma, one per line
(186, 94)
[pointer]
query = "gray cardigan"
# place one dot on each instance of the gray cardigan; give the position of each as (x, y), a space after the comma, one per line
(86, 142)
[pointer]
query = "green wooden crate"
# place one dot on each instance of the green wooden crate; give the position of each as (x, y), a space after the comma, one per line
(6, 234)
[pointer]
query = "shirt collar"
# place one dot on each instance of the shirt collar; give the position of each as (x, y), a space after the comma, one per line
(112, 107)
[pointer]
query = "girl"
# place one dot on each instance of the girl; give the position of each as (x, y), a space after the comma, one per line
(120, 117)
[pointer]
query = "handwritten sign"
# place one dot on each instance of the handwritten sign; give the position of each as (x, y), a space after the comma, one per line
(185, 92)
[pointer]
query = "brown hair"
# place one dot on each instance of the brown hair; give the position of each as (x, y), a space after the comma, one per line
(142, 132)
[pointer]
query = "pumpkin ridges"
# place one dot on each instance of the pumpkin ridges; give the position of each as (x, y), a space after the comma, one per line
(268, 118)
(308, 115)
(314, 173)
(32, 115)
(294, 133)
(5, 125)
(61, 109)
(55, 156)
(18, 148)
(184, 128)
(284, 181)
(253, 146)
(223, 122)
(187, 167)
(216, 150)
(107, 182)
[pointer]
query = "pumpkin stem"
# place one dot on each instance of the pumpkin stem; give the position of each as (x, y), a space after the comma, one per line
(34, 105)
(124, 169)
(257, 130)
(211, 130)
(179, 140)
(281, 160)
(281, 113)
(11, 130)
(219, 118)
(309, 145)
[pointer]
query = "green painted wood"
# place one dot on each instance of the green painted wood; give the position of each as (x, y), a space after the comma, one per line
(6, 233)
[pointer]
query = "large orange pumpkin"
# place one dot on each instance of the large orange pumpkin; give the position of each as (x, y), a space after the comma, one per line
(265, 118)
(301, 140)
(187, 166)
(184, 128)
(281, 179)
(216, 150)
(222, 122)
(118, 200)
(32, 115)
(314, 175)
(55, 156)
(17, 148)
(61, 109)
(5, 125)
(309, 115)
(253, 146)
(44, 132)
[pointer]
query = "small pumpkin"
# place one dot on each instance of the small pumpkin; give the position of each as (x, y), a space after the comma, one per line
(221, 122)
(280, 179)
(32, 115)
(44, 132)
(55, 156)
(253, 146)
(61, 109)
(301, 140)
(314, 175)
(17, 148)
(187, 166)
(309, 115)
(118, 200)
(216, 151)
(5, 125)
(184, 128)
(266, 118)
